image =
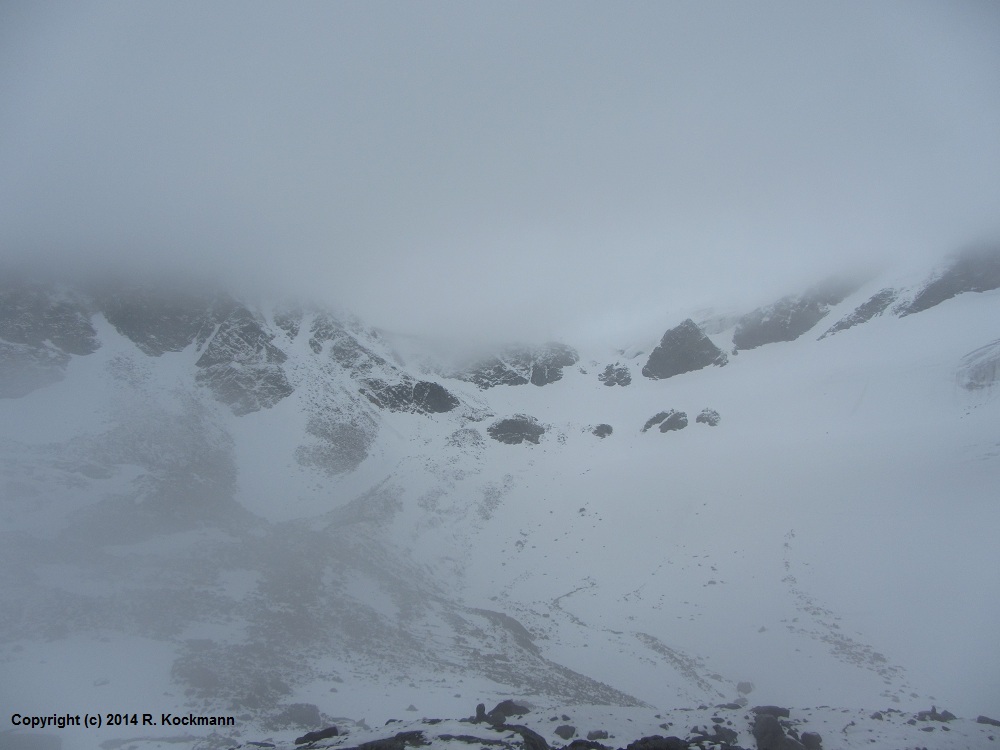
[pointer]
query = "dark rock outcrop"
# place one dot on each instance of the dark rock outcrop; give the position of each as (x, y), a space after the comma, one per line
(503, 711)
(521, 365)
(656, 742)
(242, 367)
(875, 306)
(421, 397)
(770, 735)
(566, 731)
(602, 430)
(711, 418)
(791, 316)
(934, 715)
(320, 734)
(616, 374)
(682, 349)
(516, 430)
(668, 421)
(975, 270)
(987, 720)
(164, 320)
(675, 420)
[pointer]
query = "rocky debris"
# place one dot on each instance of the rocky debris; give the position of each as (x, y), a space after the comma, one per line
(811, 741)
(667, 420)
(566, 731)
(933, 715)
(711, 418)
(602, 430)
(521, 365)
(987, 720)
(790, 317)
(597, 734)
(720, 735)
(516, 430)
(242, 367)
(616, 374)
(975, 270)
(465, 437)
(980, 368)
(532, 739)
(417, 396)
(875, 306)
(319, 734)
(683, 349)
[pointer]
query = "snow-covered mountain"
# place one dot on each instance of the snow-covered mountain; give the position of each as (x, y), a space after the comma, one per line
(278, 513)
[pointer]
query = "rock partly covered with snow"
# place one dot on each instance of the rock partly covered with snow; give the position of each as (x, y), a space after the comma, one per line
(684, 348)
(791, 316)
(520, 365)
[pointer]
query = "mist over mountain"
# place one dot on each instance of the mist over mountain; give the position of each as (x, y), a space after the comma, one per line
(277, 505)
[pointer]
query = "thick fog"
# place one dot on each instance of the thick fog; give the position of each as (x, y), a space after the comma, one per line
(511, 169)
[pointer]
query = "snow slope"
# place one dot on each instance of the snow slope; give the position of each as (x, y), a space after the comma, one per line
(831, 541)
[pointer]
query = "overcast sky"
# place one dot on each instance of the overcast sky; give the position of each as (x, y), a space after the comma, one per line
(527, 169)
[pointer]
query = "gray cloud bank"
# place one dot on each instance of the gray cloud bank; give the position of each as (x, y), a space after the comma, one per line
(473, 167)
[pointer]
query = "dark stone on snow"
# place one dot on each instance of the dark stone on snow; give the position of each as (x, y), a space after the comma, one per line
(656, 742)
(730, 706)
(588, 744)
(720, 735)
(565, 731)
(400, 741)
(975, 270)
(668, 420)
(987, 720)
(933, 715)
(320, 734)
(597, 734)
(769, 735)
(682, 349)
(711, 418)
(602, 430)
(789, 317)
(503, 711)
(877, 305)
(516, 430)
(616, 374)
(532, 739)
(811, 741)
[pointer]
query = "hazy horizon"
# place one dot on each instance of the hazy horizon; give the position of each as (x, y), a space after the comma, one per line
(514, 170)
